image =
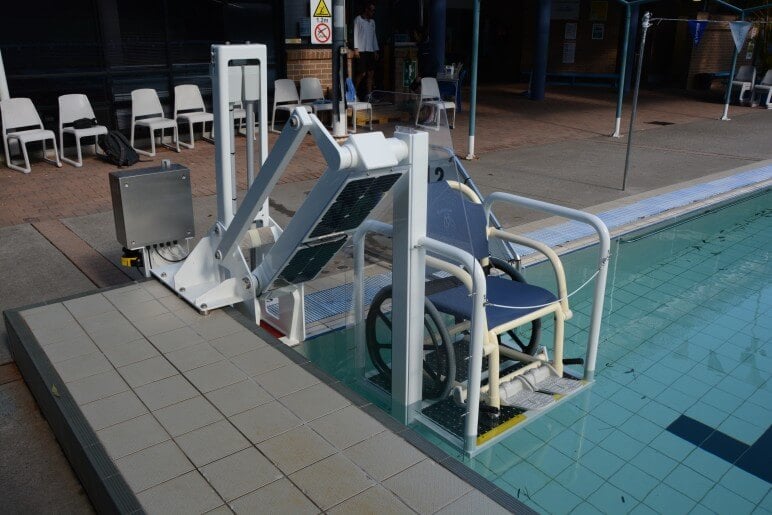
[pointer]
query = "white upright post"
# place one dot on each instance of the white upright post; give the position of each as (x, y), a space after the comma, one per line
(4, 94)
(408, 276)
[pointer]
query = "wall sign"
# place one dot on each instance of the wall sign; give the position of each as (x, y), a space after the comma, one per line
(321, 23)
(598, 30)
(569, 52)
(570, 31)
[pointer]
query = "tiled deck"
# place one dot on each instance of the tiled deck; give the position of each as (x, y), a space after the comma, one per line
(199, 414)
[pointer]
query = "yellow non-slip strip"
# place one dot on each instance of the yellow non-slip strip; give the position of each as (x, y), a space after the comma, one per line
(496, 431)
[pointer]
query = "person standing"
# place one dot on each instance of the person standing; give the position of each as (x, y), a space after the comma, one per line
(365, 47)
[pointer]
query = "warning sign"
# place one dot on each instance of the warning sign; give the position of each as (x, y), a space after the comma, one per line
(321, 23)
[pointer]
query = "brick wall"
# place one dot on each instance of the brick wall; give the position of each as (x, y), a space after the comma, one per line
(310, 62)
(714, 52)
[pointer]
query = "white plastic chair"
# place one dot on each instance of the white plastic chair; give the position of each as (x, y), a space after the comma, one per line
(430, 95)
(146, 111)
(189, 109)
(311, 94)
(20, 113)
(353, 104)
(744, 79)
(285, 98)
(764, 87)
(71, 108)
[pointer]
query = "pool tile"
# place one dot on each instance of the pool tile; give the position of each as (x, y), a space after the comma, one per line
(580, 480)
(549, 460)
(745, 485)
(664, 499)
(741, 430)
(526, 477)
(707, 464)
(601, 461)
(624, 446)
(721, 400)
(689, 482)
(658, 413)
(610, 499)
(706, 414)
(633, 480)
(672, 446)
(722, 500)
(641, 429)
(653, 462)
(556, 499)
(523, 443)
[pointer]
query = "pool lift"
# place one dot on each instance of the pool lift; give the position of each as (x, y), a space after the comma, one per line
(246, 258)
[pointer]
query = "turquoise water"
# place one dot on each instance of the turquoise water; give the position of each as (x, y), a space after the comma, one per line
(684, 348)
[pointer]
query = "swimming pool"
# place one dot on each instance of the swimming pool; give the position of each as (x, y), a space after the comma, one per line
(679, 417)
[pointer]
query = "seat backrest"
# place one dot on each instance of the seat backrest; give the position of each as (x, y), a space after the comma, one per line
(74, 107)
(454, 219)
(285, 91)
(351, 91)
(429, 88)
(311, 89)
(145, 102)
(187, 97)
(767, 80)
(17, 113)
(746, 73)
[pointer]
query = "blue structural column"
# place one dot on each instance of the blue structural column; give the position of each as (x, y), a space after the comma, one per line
(635, 22)
(437, 24)
(539, 72)
(473, 93)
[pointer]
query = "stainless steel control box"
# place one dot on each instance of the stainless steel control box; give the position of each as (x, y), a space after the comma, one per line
(152, 205)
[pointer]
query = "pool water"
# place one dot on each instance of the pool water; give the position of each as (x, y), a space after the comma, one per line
(678, 420)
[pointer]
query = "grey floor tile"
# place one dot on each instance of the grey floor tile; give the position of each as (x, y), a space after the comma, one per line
(157, 290)
(473, 502)
(143, 310)
(261, 360)
(147, 371)
(188, 415)
(174, 303)
(286, 380)
(132, 436)
(213, 327)
(210, 443)
(166, 392)
(384, 455)
(113, 410)
(375, 500)
(83, 366)
(220, 510)
(314, 402)
(214, 376)
(239, 397)
(126, 353)
(127, 296)
(237, 343)
(114, 334)
(103, 321)
(278, 497)
(88, 306)
(152, 466)
(67, 332)
(321, 482)
(194, 356)
(162, 323)
(63, 351)
(347, 427)
(175, 339)
(97, 387)
(47, 314)
(426, 486)
(265, 421)
(240, 473)
(189, 493)
(296, 449)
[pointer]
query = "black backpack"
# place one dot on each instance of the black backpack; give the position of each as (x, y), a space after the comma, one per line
(117, 149)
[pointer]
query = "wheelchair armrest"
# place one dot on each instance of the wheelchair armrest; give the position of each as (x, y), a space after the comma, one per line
(557, 265)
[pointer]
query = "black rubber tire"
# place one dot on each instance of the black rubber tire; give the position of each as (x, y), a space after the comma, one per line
(439, 374)
(533, 341)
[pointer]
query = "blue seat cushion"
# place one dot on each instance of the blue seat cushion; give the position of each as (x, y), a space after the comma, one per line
(457, 302)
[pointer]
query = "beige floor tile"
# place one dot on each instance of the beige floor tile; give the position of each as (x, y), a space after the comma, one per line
(210, 443)
(188, 415)
(347, 427)
(63, 351)
(97, 387)
(128, 296)
(67, 332)
(147, 371)
(132, 436)
(321, 482)
(189, 493)
(114, 334)
(239, 397)
(384, 455)
(166, 392)
(426, 486)
(113, 410)
(212, 327)
(162, 323)
(126, 353)
(314, 402)
(266, 421)
(175, 339)
(237, 343)
(473, 502)
(278, 497)
(174, 303)
(214, 376)
(286, 380)
(240, 473)
(260, 361)
(83, 366)
(296, 449)
(88, 306)
(194, 356)
(152, 466)
(157, 290)
(376, 501)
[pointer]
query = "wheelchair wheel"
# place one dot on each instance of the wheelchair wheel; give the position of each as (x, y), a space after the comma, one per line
(527, 341)
(439, 363)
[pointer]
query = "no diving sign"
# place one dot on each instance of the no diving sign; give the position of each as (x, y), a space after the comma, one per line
(321, 23)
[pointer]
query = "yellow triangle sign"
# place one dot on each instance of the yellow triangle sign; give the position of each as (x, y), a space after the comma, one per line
(322, 11)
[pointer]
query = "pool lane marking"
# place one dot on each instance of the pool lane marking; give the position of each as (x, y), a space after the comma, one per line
(753, 459)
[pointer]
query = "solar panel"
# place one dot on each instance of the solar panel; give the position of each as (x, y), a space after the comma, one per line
(308, 261)
(354, 203)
